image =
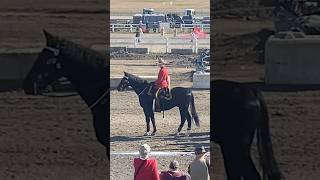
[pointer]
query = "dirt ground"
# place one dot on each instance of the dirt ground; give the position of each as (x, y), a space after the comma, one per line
(78, 20)
(294, 114)
(48, 138)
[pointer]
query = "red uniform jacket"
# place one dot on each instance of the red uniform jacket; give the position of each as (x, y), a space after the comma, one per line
(162, 81)
(148, 171)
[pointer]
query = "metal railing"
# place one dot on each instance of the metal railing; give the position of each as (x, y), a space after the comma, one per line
(166, 42)
(132, 27)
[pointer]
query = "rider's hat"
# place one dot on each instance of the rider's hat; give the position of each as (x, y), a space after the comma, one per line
(161, 61)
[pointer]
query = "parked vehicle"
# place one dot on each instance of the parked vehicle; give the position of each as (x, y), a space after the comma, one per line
(205, 20)
(175, 20)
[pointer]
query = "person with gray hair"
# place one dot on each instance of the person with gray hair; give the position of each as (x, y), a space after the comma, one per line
(174, 173)
(145, 168)
(199, 167)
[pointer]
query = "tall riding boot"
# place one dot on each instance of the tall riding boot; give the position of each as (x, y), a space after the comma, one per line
(157, 105)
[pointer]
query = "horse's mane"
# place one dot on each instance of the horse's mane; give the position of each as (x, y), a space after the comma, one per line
(76, 52)
(136, 78)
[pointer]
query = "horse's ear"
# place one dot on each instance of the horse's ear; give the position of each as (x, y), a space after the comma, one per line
(49, 38)
(125, 73)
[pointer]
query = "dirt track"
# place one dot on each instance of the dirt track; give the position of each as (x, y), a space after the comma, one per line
(22, 23)
(48, 138)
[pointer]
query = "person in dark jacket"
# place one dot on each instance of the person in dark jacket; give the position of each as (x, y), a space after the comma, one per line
(174, 173)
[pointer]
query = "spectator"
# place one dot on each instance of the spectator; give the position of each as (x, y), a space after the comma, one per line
(173, 173)
(138, 34)
(145, 168)
(199, 168)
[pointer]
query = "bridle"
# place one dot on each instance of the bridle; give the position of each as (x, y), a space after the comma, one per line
(56, 53)
(141, 91)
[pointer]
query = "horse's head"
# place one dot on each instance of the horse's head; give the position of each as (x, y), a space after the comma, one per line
(124, 83)
(46, 69)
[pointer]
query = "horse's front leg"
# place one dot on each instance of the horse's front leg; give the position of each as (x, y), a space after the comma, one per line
(146, 114)
(153, 123)
(101, 127)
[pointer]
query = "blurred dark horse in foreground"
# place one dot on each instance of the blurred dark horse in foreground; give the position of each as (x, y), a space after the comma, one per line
(238, 111)
(86, 69)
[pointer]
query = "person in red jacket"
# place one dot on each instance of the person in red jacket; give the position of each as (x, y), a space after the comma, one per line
(163, 75)
(163, 81)
(145, 168)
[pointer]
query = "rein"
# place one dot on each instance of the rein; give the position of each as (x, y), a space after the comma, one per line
(58, 96)
(92, 106)
(142, 91)
(99, 99)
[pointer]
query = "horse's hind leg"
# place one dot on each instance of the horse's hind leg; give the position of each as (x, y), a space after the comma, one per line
(183, 120)
(231, 159)
(238, 162)
(249, 170)
(189, 120)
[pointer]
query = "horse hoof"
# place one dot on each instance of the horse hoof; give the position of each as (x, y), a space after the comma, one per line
(146, 134)
(177, 134)
(188, 133)
(154, 133)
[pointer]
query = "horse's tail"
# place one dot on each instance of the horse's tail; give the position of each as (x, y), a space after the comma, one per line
(269, 165)
(193, 111)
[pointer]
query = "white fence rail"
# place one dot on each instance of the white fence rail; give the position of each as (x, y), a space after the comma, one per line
(166, 42)
(132, 27)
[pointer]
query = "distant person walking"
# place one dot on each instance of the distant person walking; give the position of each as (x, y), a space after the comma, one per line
(138, 34)
(199, 168)
(174, 173)
(145, 168)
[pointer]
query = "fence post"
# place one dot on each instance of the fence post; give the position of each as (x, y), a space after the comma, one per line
(112, 27)
(196, 45)
(167, 45)
(130, 27)
(135, 39)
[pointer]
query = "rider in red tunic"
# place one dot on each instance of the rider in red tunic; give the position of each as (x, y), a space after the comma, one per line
(163, 75)
(163, 81)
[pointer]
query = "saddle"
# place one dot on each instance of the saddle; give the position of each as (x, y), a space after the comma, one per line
(165, 94)
(159, 96)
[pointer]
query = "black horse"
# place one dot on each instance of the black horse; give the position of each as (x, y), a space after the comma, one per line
(86, 69)
(181, 98)
(237, 112)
